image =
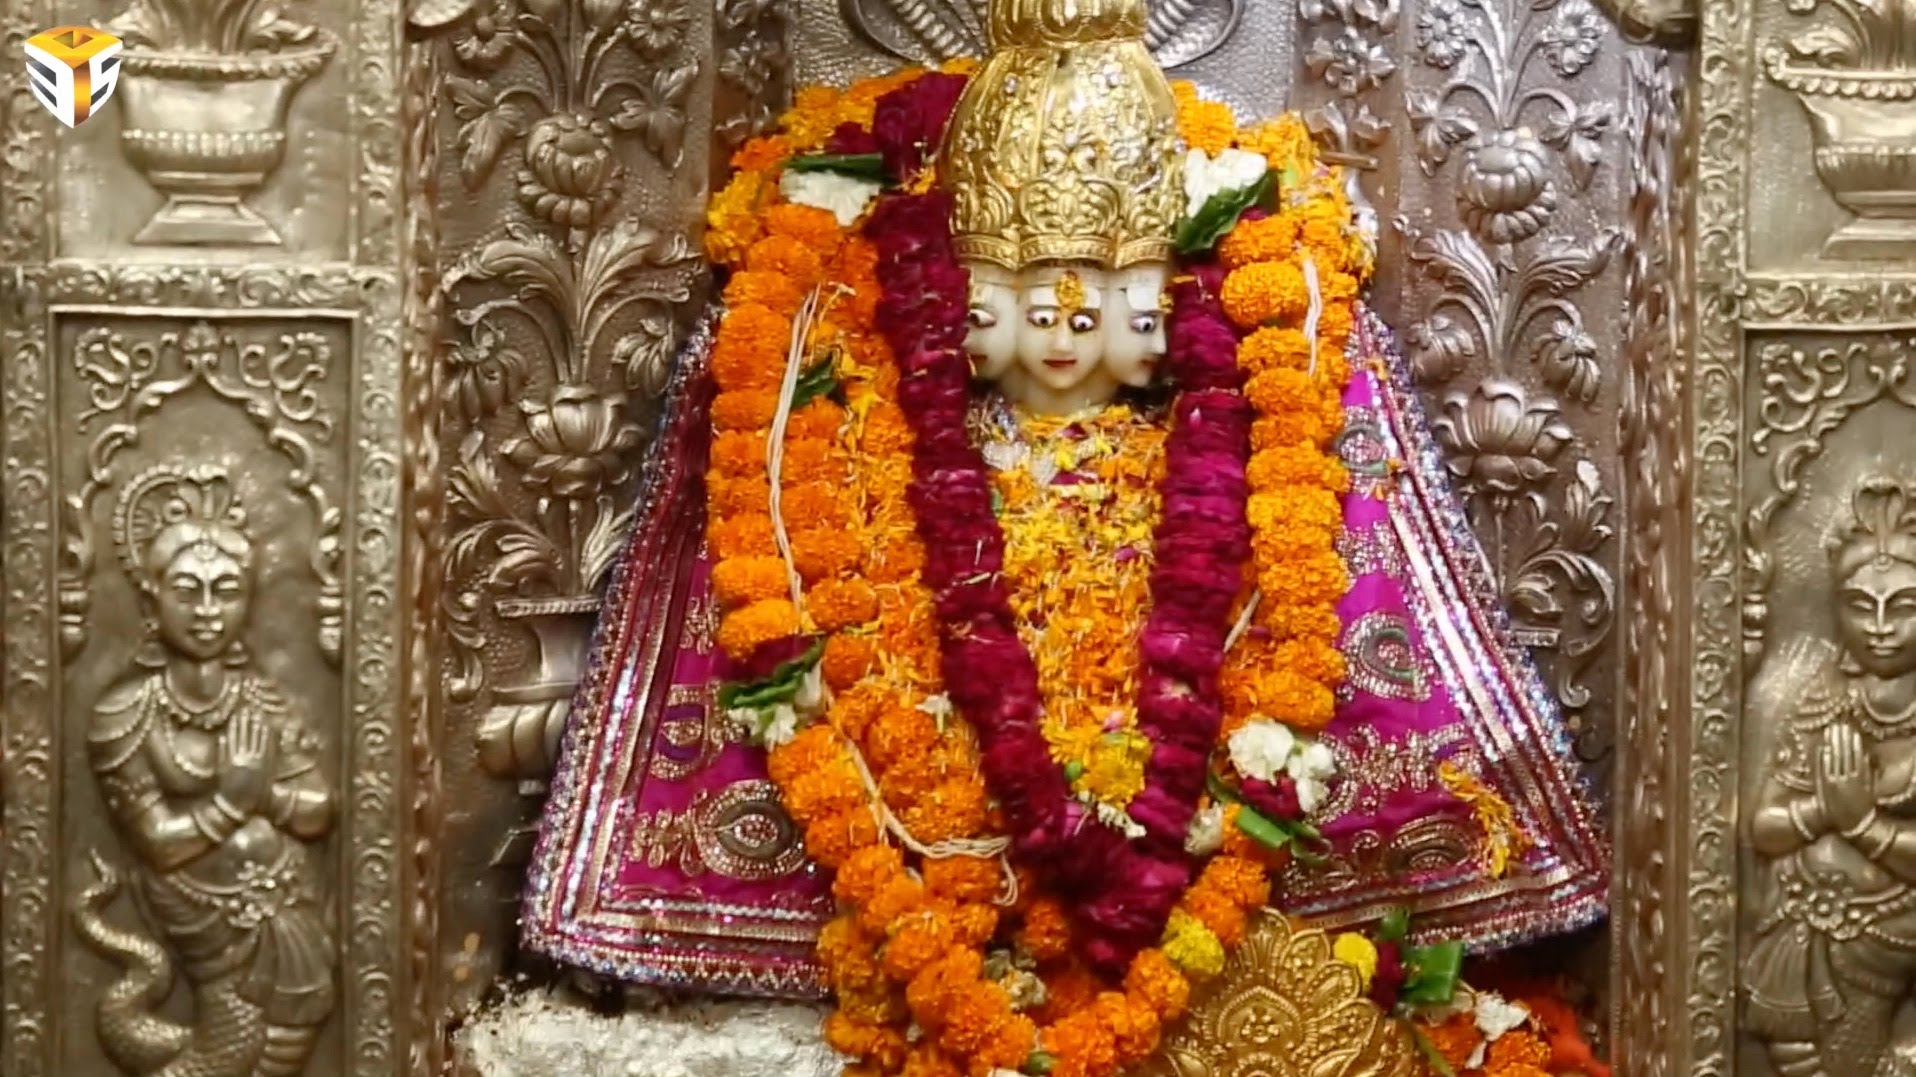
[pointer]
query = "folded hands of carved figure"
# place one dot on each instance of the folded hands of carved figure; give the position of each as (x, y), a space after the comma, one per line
(246, 776)
(1845, 779)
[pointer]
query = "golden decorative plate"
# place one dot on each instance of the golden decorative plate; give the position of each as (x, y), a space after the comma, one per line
(1284, 1007)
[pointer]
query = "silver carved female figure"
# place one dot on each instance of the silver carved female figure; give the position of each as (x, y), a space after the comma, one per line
(1834, 824)
(212, 781)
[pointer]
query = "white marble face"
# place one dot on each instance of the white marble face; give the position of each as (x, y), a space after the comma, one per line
(1060, 339)
(1134, 314)
(993, 317)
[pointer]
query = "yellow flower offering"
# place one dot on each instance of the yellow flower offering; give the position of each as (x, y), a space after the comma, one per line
(1358, 952)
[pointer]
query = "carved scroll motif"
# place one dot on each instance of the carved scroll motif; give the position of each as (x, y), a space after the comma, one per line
(274, 385)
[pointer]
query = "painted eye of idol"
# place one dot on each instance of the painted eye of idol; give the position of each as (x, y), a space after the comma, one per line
(981, 317)
(1084, 321)
(1042, 317)
(1144, 323)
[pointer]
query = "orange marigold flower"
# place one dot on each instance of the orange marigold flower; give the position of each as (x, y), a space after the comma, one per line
(1046, 934)
(810, 461)
(761, 153)
(868, 870)
(774, 290)
(1240, 881)
(812, 117)
(814, 506)
(1134, 1027)
(1277, 348)
(1299, 702)
(1516, 1052)
(825, 554)
(926, 1060)
(730, 497)
(1218, 913)
(1285, 142)
(1316, 660)
(974, 925)
(817, 228)
(740, 453)
(1288, 428)
(1008, 1046)
(1206, 125)
(744, 409)
(1294, 465)
(836, 604)
(1268, 239)
(964, 878)
(749, 351)
(921, 939)
(1263, 292)
(744, 536)
(895, 558)
(820, 419)
(788, 256)
(740, 581)
(1455, 1040)
(832, 840)
(1280, 390)
(1153, 981)
(746, 630)
(907, 781)
(955, 809)
(847, 660)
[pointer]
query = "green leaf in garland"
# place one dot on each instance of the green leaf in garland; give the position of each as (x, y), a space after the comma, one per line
(781, 687)
(1438, 1063)
(1434, 972)
(1395, 926)
(1264, 831)
(865, 166)
(819, 379)
(1040, 1064)
(1219, 215)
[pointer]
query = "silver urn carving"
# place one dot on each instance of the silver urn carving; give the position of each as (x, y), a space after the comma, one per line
(1856, 78)
(204, 104)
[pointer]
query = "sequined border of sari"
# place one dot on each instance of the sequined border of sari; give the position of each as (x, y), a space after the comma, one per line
(1497, 719)
(610, 889)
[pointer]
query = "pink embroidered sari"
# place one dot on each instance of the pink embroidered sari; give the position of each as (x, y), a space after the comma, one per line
(664, 857)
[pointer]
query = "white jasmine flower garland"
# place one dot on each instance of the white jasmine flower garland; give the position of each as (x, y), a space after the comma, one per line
(1231, 170)
(846, 197)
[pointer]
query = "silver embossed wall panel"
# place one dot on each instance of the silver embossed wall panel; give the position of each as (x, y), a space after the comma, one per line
(1787, 877)
(205, 789)
(572, 152)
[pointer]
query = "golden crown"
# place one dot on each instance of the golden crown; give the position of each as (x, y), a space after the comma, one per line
(1064, 147)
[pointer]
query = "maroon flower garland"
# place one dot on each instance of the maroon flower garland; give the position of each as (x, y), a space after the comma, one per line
(1122, 891)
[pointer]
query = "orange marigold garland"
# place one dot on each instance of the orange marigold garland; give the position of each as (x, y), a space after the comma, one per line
(942, 964)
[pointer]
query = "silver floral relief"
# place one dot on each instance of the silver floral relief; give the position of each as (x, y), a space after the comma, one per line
(1508, 227)
(575, 143)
